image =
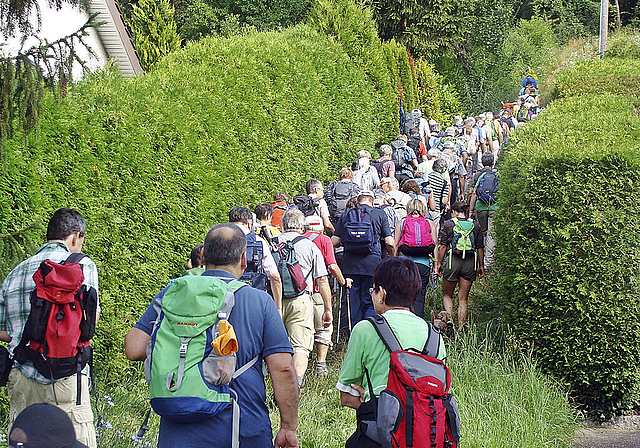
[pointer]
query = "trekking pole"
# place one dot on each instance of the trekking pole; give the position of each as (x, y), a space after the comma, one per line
(348, 310)
(339, 298)
(143, 428)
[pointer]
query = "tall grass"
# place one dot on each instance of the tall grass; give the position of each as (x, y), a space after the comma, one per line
(504, 402)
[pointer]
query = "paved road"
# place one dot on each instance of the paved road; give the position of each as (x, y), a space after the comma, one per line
(607, 438)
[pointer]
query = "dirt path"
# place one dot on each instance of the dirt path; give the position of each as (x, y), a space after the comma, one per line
(607, 438)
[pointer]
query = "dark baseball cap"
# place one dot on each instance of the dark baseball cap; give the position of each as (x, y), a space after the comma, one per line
(43, 425)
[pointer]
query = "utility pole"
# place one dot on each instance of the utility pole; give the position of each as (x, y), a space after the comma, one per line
(604, 25)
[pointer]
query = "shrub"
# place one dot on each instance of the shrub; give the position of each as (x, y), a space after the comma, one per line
(624, 45)
(154, 29)
(614, 75)
(437, 99)
(153, 162)
(567, 251)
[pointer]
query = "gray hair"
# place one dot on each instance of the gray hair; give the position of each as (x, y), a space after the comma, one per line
(392, 181)
(386, 150)
(379, 193)
(224, 245)
(293, 220)
(439, 165)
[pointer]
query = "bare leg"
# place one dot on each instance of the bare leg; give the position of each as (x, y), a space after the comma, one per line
(300, 361)
(322, 350)
(447, 296)
(463, 294)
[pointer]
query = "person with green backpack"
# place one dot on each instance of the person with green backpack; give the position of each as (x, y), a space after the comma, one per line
(203, 340)
(460, 259)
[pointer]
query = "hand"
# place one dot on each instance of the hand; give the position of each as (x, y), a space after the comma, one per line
(437, 271)
(480, 271)
(348, 282)
(286, 438)
(327, 318)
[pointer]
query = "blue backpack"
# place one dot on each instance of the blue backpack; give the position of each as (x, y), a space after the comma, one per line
(254, 275)
(358, 236)
(487, 187)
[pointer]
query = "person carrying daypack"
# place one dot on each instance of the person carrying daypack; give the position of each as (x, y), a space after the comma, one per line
(48, 341)
(395, 408)
(362, 230)
(211, 334)
(338, 194)
(460, 259)
(404, 158)
(261, 268)
(280, 205)
(300, 263)
(484, 201)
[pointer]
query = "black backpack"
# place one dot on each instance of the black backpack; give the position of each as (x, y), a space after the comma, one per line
(413, 142)
(337, 195)
(306, 204)
(254, 274)
(399, 156)
(411, 121)
(378, 166)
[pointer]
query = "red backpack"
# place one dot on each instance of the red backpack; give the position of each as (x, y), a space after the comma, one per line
(61, 322)
(279, 207)
(416, 237)
(416, 409)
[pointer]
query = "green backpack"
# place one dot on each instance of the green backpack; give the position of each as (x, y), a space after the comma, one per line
(463, 240)
(188, 380)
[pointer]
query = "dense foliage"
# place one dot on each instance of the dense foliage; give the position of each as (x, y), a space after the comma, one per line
(613, 75)
(153, 162)
(567, 240)
(155, 31)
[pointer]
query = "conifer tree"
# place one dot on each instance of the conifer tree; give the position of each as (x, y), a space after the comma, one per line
(155, 31)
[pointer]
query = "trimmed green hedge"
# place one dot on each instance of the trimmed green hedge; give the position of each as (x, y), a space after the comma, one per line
(568, 250)
(153, 162)
(588, 78)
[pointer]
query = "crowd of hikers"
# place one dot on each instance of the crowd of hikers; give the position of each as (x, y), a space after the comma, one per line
(261, 292)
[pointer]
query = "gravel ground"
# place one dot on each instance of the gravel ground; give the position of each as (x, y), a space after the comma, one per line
(624, 432)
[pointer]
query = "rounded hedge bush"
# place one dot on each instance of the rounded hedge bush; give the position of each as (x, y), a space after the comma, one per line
(153, 162)
(568, 246)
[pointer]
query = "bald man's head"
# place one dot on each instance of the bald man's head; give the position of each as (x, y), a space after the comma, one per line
(224, 245)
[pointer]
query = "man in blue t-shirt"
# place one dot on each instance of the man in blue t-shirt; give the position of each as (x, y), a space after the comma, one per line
(260, 333)
(359, 267)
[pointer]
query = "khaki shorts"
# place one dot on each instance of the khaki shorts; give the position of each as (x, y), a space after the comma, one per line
(322, 335)
(465, 268)
(297, 315)
(24, 392)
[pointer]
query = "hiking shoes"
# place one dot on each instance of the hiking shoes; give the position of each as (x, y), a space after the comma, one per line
(322, 369)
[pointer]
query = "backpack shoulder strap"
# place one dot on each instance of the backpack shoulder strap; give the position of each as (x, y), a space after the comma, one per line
(229, 298)
(313, 236)
(432, 345)
(75, 258)
(298, 238)
(385, 332)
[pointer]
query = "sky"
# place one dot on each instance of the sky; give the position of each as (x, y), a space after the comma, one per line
(57, 24)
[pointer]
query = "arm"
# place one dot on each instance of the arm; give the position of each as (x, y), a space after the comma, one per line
(391, 245)
(442, 249)
(397, 235)
(337, 273)
(432, 203)
(336, 241)
(461, 179)
(350, 401)
(325, 292)
(327, 225)
(432, 228)
(135, 344)
(4, 336)
(276, 289)
(285, 391)
(481, 262)
(472, 202)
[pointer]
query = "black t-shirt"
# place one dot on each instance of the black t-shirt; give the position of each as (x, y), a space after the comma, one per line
(357, 264)
(446, 234)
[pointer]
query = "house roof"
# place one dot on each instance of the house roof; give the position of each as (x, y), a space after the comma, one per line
(115, 38)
